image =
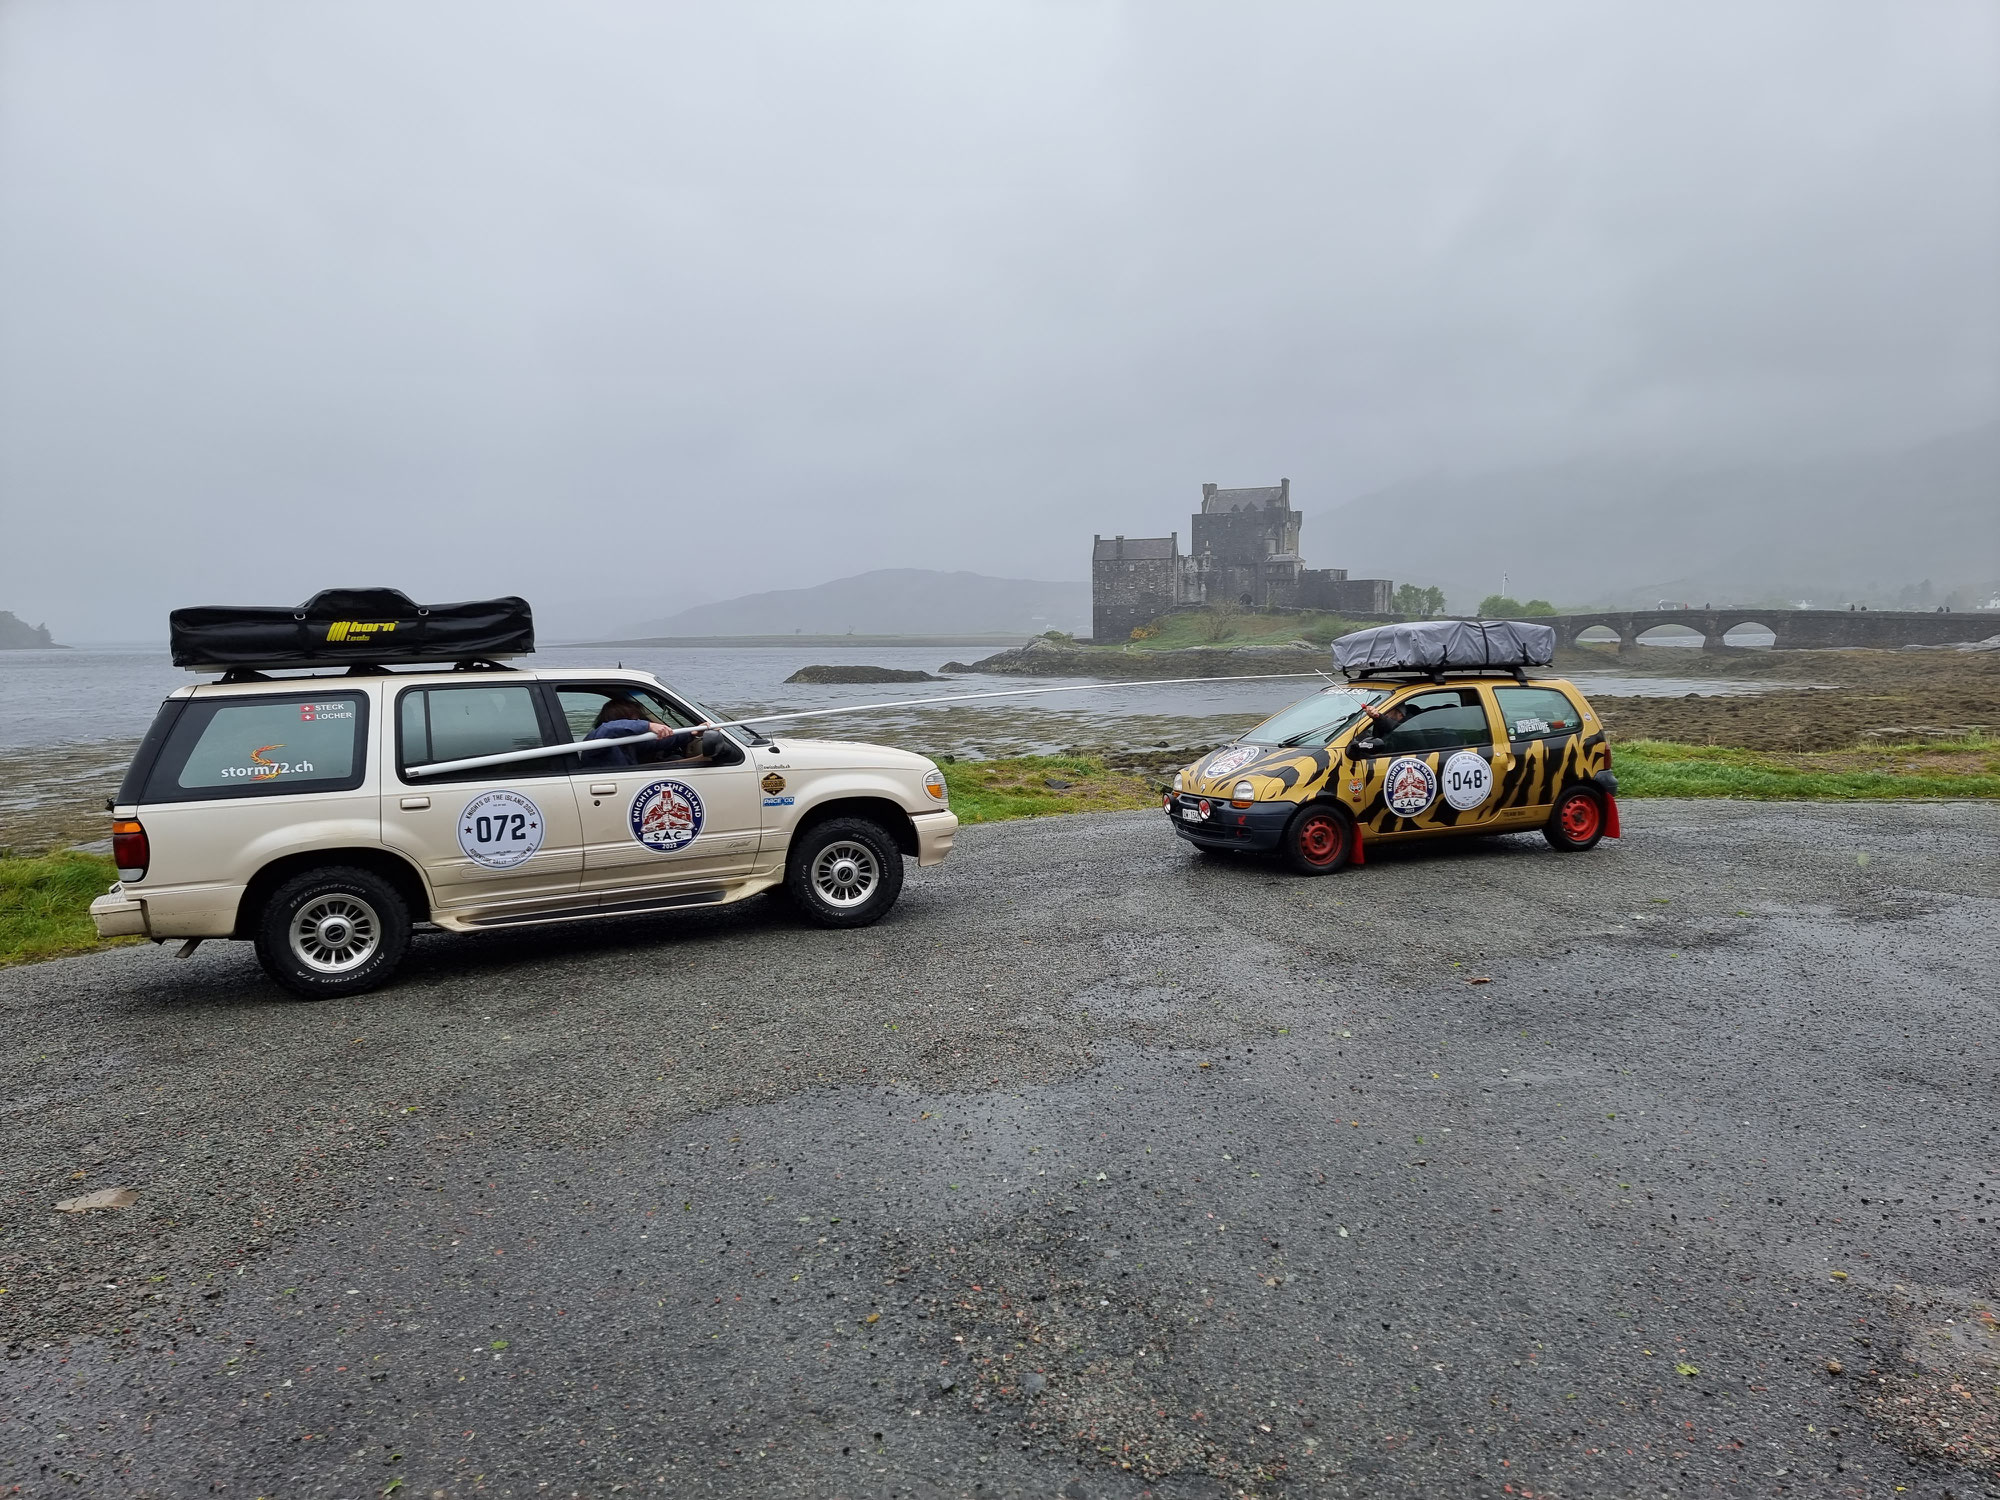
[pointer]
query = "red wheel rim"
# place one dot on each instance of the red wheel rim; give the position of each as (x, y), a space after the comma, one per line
(1319, 839)
(1581, 817)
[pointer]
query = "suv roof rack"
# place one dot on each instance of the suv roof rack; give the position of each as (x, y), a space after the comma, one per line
(365, 630)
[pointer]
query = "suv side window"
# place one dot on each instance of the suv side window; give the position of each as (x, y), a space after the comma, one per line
(581, 707)
(261, 747)
(1537, 713)
(456, 723)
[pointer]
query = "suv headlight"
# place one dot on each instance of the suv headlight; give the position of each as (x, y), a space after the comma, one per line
(1244, 795)
(934, 787)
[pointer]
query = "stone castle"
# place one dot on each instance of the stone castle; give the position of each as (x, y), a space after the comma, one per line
(1244, 552)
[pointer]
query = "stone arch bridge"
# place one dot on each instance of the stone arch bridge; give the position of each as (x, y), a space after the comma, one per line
(1795, 629)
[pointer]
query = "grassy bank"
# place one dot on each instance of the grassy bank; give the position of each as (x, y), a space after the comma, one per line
(1033, 786)
(1968, 767)
(45, 905)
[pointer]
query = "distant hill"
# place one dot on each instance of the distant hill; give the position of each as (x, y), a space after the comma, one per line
(890, 601)
(19, 635)
(1631, 532)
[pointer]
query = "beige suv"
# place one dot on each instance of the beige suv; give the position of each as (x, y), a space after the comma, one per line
(321, 816)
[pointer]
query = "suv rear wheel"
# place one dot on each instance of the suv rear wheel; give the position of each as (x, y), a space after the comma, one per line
(845, 872)
(333, 931)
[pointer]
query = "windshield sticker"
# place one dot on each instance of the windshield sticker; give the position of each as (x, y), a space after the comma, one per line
(1226, 761)
(1467, 780)
(667, 815)
(312, 713)
(1409, 786)
(499, 830)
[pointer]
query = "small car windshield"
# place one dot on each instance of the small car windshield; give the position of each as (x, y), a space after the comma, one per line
(1314, 720)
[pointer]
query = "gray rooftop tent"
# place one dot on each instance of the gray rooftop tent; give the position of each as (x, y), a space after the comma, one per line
(1431, 646)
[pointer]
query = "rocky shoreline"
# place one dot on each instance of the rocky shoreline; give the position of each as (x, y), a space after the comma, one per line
(1046, 658)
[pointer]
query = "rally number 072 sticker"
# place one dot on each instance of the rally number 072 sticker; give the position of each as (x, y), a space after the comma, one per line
(500, 830)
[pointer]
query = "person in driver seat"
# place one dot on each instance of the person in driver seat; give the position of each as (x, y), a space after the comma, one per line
(621, 717)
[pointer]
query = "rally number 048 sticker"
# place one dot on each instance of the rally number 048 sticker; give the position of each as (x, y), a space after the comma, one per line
(1468, 779)
(500, 830)
(667, 815)
(1409, 786)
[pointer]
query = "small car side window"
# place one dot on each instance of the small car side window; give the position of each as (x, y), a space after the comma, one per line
(1537, 713)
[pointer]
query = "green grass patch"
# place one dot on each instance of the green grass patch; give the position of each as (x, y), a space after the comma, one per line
(1033, 786)
(1659, 768)
(45, 905)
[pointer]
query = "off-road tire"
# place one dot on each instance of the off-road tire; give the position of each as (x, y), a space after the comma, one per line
(1319, 840)
(333, 931)
(1578, 819)
(845, 872)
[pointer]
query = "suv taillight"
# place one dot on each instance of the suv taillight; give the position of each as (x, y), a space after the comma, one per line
(129, 849)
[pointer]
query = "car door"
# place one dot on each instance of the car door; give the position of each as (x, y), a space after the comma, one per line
(1438, 771)
(1544, 729)
(494, 840)
(661, 824)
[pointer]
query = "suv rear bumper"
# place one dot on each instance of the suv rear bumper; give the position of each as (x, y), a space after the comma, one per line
(116, 914)
(1257, 827)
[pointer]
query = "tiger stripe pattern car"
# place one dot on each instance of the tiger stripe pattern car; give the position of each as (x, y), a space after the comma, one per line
(1528, 758)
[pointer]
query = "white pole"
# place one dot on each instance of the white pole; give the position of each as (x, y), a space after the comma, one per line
(509, 757)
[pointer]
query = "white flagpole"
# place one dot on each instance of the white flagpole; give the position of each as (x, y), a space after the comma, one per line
(508, 757)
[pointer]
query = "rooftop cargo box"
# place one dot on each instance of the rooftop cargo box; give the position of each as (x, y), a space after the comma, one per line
(1429, 646)
(340, 627)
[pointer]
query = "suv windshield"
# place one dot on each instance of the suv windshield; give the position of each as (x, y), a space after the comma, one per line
(1314, 720)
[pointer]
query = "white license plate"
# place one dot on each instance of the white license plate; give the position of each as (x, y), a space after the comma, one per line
(1192, 814)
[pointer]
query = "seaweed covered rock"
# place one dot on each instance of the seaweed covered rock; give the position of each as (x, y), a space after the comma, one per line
(859, 673)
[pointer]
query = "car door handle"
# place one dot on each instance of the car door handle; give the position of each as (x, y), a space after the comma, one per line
(415, 804)
(604, 789)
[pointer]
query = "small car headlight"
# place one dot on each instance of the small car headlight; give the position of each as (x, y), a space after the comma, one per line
(1179, 784)
(1244, 795)
(934, 787)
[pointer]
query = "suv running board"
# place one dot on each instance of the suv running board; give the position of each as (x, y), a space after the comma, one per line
(591, 913)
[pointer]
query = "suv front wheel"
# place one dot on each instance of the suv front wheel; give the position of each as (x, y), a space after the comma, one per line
(333, 931)
(845, 872)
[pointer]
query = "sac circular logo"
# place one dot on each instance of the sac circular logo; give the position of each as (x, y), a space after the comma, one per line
(1409, 787)
(1467, 780)
(1225, 761)
(666, 815)
(500, 830)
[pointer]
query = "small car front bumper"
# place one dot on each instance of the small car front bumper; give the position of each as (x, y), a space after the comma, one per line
(1256, 827)
(116, 914)
(935, 832)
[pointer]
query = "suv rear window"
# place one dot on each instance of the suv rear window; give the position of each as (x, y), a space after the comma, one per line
(1537, 713)
(260, 747)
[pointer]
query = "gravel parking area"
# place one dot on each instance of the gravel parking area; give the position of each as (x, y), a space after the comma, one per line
(1100, 1169)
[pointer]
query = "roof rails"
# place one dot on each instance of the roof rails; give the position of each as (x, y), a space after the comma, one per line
(367, 669)
(1438, 674)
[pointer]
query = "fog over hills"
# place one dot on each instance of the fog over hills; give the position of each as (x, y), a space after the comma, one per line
(1626, 532)
(890, 601)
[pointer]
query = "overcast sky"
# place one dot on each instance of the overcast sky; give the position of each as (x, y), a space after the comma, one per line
(623, 306)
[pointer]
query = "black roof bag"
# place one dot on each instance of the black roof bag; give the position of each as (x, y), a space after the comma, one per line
(343, 626)
(1445, 646)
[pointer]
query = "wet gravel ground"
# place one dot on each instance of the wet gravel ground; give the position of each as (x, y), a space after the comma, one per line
(1098, 1170)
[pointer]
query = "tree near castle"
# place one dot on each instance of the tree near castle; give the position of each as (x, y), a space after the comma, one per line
(1421, 602)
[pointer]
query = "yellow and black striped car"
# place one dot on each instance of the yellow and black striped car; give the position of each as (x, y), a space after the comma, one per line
(1455, 754)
